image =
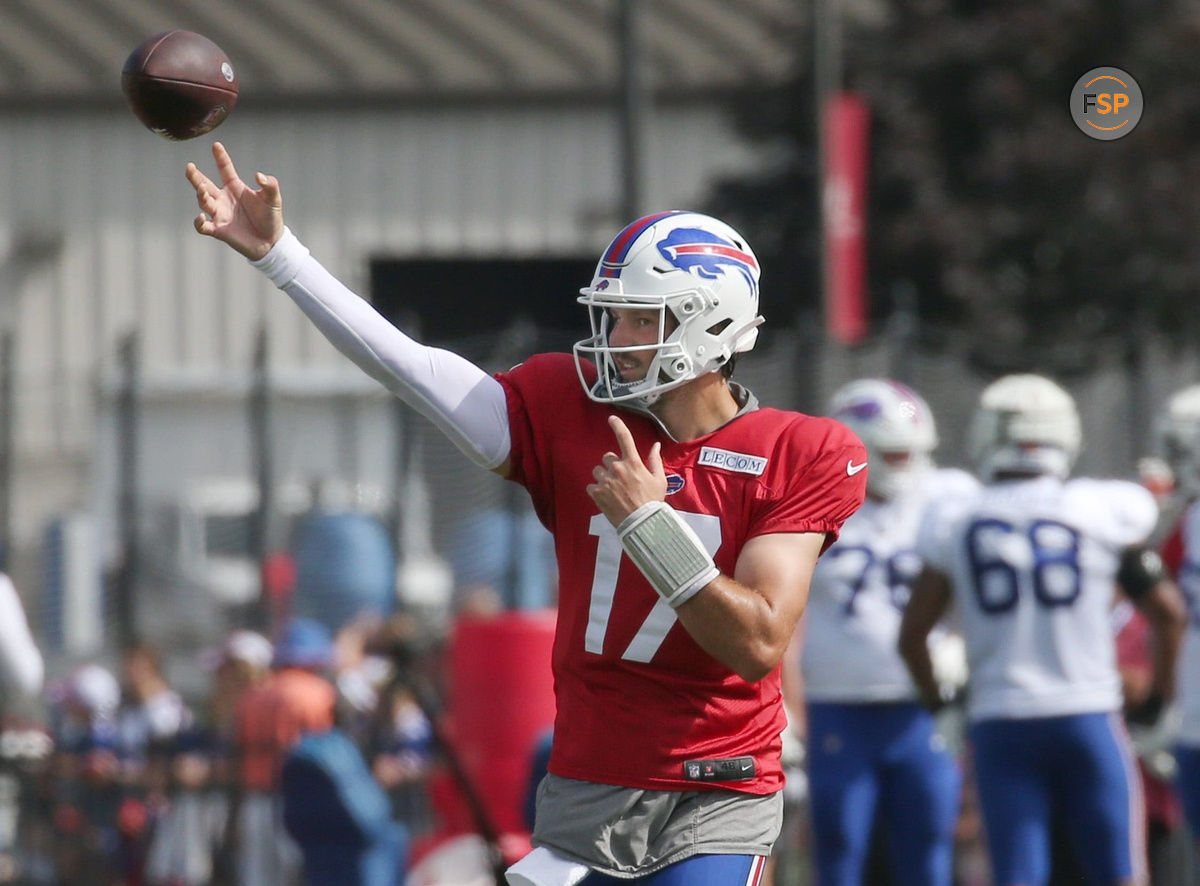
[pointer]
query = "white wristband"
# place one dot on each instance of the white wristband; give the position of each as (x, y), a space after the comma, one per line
(667, 551)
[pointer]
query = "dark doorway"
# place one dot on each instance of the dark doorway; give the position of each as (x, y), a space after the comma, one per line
(455, 298)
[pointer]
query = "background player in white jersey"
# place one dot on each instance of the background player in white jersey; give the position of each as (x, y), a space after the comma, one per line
(873, 750)
(21, 665)
(1032, 562)
(673, 617)
(22, 671)
(1179, 431)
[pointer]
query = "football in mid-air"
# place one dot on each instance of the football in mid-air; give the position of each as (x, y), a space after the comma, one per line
(179, 84)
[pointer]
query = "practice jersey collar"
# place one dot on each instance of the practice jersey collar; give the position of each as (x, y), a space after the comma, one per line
(745, 398)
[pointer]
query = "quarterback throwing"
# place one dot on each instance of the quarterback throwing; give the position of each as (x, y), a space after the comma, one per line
(687, 522)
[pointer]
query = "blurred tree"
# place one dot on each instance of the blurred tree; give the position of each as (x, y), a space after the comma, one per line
(1028, 243)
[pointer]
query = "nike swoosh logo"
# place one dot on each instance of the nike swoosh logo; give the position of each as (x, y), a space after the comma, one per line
(746, 766)
(852, 468)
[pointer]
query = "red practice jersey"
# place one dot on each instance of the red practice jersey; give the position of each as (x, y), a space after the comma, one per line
(636, 696)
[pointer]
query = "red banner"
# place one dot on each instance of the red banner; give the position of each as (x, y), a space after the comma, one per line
(844, 206)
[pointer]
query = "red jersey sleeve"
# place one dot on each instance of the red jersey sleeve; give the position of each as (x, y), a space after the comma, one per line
(824, 482)
(544, 399)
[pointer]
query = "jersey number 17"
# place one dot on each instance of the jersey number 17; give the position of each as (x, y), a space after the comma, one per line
(609, 552)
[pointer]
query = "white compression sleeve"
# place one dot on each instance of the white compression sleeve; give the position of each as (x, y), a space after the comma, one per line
(466, 404)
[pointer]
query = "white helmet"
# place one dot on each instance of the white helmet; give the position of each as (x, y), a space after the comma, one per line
(1024, 424)
(1178, 438)
(697, 268)
(888, 418)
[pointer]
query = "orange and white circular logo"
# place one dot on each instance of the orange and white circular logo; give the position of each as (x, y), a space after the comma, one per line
(1106, 103)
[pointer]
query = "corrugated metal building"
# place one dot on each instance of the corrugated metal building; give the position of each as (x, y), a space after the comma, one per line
(407, 129)
(398, 127)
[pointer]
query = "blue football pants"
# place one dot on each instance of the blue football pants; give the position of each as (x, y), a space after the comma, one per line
(884, 762)
(1078, 770)
(1188, 784)
(699, 870)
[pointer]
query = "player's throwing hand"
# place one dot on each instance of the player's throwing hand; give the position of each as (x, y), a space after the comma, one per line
(623, 481)
(249, 220)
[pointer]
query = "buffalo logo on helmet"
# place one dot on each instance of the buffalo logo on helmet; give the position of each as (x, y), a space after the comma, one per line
(707, 254)
(862, 409)
(869, 407)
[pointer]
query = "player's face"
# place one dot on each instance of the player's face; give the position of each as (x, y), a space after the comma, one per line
(631, 327)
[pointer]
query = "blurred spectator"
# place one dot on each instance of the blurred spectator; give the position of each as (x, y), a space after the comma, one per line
(270, 718)
(152, 713)
(339, 815)
(242, 662)
(403, 756)
(358, 674)
(400, 741)
(189, 833)
(85, 709)
(85, 768)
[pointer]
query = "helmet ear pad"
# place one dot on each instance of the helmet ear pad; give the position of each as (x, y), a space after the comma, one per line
(706, 348)
(698, 272)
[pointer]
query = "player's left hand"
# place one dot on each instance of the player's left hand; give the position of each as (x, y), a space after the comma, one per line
(623, 481)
